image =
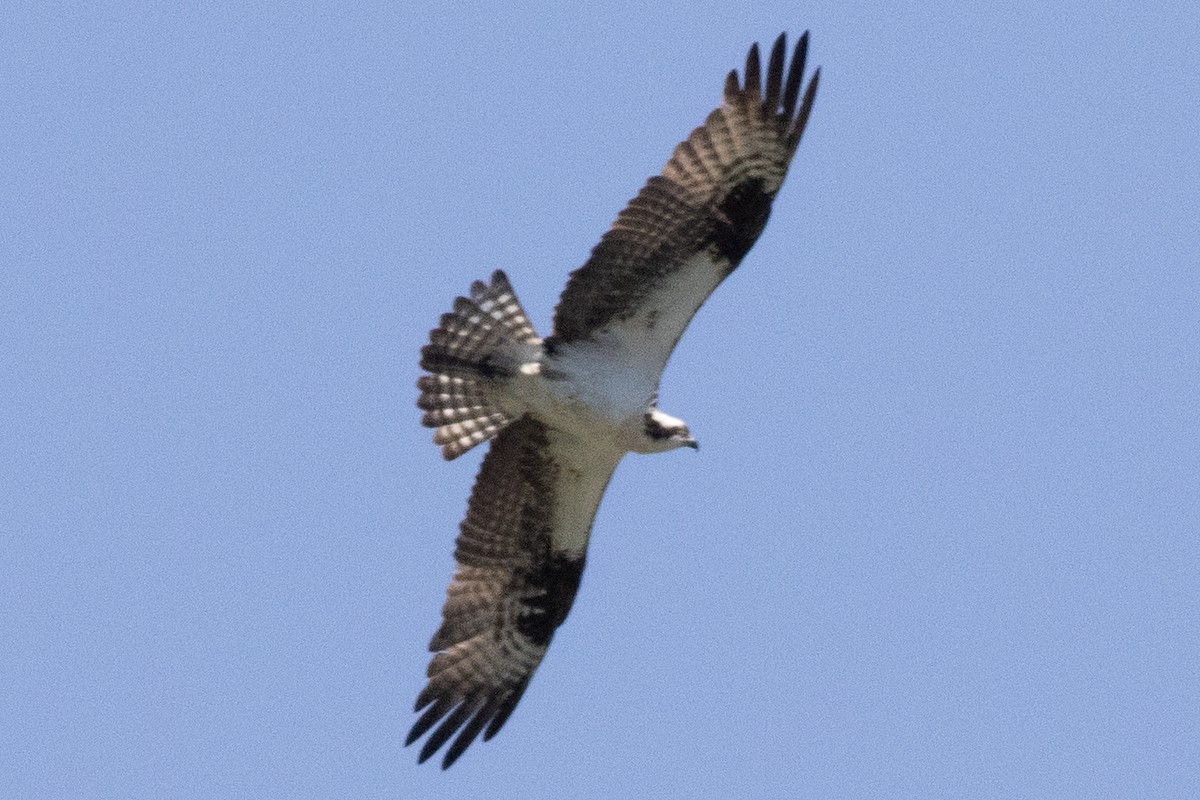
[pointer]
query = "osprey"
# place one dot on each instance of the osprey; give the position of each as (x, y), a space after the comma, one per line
(562, 411)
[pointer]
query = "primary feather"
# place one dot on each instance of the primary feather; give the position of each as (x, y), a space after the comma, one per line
(561, 413)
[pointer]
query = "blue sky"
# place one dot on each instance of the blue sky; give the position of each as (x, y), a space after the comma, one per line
(940, 539)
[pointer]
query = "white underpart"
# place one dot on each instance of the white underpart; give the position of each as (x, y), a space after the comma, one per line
(648, 337)
(601, 388)
(584, 474)
(595, 394)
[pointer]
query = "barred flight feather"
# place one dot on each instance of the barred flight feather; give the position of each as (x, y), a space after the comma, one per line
(562, 413)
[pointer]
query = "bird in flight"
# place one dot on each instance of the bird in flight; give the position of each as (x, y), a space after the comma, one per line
(562, 411)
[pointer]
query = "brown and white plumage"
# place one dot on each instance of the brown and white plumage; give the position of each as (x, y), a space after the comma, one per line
(561, 413)
(456, 401)
(690, 226)
(514, 583)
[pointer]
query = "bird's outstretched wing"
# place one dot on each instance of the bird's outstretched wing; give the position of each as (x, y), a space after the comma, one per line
(522, 545)
(689, 227)
(520, 554)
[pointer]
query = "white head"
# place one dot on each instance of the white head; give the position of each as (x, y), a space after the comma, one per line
(664, 432)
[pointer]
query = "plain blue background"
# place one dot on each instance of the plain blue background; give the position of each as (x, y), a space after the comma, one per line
(940, 539)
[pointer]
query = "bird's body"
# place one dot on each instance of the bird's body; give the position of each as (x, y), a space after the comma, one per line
(574, 388)
(562, 412)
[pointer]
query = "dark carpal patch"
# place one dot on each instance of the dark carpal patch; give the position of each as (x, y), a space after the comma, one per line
(743, 214)
(548, 596)
(641, 284)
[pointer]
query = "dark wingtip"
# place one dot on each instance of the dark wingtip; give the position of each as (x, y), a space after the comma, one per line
(774, 74)
(778, 96)
(800, 57)
(412, 737)
(753, 71)
(806, 105)
(427, 696)
(795, 73)
(731, 86)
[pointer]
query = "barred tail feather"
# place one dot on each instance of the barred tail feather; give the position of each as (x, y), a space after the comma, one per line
(467, 359)
(463, 415)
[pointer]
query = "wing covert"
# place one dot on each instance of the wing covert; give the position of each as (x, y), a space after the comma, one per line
(690, 226)
(519, 566)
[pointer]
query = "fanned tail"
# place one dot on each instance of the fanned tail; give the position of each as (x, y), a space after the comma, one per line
(468, 355)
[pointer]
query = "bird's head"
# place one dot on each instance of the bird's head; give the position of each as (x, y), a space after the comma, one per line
(664, 432)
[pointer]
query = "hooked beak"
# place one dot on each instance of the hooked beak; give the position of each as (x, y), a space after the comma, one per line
(692, 443)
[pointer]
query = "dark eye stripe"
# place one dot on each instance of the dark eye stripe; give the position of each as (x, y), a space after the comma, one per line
(654, 429)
